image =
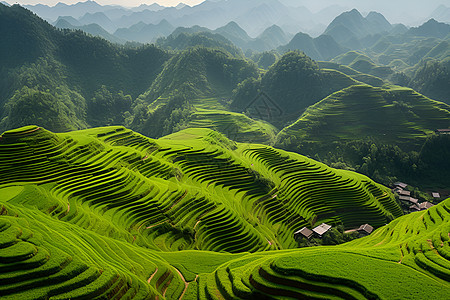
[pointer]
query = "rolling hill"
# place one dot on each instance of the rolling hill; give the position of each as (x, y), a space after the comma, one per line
(381, 132)
(349, 115)
(93, 29)
(145, 33)
(323, 47)
(79, 81)
(292, 84)
(349, 27)
(103, 213)
(134, 182)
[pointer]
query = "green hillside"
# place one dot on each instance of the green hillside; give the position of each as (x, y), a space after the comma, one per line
(182, 41)
(252, 186)
(395, 115)
(323, 47)
(398, 119)
(292, 84)
(69, 80)
(109, 213)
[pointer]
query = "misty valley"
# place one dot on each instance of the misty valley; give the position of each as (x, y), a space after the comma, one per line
(225, 149)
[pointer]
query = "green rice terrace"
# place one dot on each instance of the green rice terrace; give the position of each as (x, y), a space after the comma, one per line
(392, 115)
(107, 213)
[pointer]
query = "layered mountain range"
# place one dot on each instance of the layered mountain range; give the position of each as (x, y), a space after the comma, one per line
(66, 79)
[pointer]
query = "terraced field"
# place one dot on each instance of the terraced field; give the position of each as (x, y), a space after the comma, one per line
(109, 213)
(212, 113)
(391, 115)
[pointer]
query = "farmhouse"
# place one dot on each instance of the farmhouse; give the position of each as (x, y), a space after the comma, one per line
(436, 195)
(409, 199)
(365, 229)
(443, 131)
(425, 205)
(414, 207)
(401, 185)
(404, 193)
(304, 232)
(397, 190)
(321, 229)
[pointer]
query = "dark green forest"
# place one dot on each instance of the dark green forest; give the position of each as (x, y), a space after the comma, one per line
(198, 163)
(64, 80)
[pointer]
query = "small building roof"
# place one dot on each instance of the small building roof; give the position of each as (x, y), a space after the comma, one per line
(366, 228)
(425, 205)
(409, 199)
(321, 229)
(443, 130)
(306, 232)
(436, 195)
(397, 189)
(404, 193)
(414, 207)
(400, 184)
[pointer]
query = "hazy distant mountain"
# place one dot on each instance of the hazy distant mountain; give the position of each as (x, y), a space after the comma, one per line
(270, 39)
(379, 22)
(432, 28)
(305, 43)
(180, 5)
(190, 30)
(327, 14)
(145, 33)
(100, 19)
(273, 37)
(323, 47)
(69, 19)
(351, 26)
(235, 33)
(93, 29)
(4, 3)
(152, 7)
(254, 16)
(75, 10)
(398, 29)
(184, 40)
(441, 14)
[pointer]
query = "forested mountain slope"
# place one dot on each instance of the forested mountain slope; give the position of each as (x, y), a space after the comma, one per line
(102, 213)
(378, 131)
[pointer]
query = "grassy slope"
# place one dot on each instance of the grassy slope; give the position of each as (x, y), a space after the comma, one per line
(212, 113)
(402, 117)
(43, 256)
(100, 208)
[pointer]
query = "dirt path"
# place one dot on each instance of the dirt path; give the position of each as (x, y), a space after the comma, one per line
(197, 223)
(178, 201)
(430, 242)
(154, 225)
(401, 258)
(153, 275)
(186, 284)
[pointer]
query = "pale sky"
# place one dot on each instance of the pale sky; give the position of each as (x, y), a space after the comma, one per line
(127, 3)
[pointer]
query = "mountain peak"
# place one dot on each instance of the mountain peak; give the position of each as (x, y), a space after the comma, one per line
(355, 12)
(232, 24)
(233, 27)
(431, 28)
(350, 26)
(165, 23)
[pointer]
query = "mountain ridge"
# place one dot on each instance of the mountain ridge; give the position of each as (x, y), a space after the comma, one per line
(68, 233)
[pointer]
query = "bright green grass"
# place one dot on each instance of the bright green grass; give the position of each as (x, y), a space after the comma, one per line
(109, 213)
(7, 193)
(395, 115)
